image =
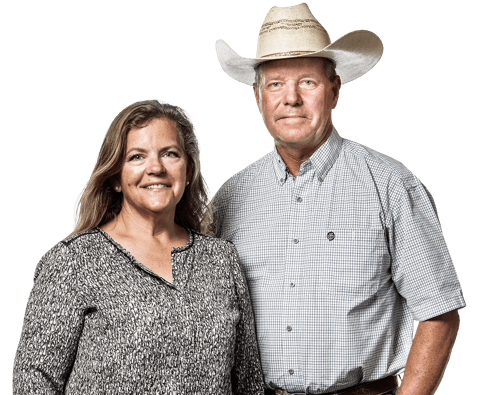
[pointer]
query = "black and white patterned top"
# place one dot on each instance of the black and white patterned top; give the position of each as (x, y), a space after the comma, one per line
(338, 261)
(99, 322)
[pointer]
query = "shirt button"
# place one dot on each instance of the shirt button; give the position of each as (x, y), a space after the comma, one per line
(299, 200)
(292, 284)
(296, 241)
(291, 371)
(289, 328)
(282, 179)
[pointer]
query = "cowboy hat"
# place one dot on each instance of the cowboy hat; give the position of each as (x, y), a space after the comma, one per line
(293, 32)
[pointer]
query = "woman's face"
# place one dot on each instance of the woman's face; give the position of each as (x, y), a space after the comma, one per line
(155, 169)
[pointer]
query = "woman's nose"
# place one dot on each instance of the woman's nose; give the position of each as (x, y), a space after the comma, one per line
(155, 166)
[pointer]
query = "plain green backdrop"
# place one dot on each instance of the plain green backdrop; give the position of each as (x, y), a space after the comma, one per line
(68, 68)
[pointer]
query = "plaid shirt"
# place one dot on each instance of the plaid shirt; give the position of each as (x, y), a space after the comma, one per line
(338, 260)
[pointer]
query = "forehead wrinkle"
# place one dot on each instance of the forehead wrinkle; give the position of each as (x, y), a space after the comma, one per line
(313, 65)
(276, 72)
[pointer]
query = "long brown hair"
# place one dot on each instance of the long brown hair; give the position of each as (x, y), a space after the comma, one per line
(100, 204)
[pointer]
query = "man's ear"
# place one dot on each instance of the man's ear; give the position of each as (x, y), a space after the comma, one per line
(336, 90)
(257, 97)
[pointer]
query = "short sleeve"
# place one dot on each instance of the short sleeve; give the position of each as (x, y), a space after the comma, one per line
(422, 269)
(247, 376)
(52, 327)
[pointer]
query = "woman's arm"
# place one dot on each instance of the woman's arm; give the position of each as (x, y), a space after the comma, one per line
(247, 378)
(52, 327)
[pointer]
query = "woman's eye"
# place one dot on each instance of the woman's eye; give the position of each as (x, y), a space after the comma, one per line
(171, 154)
(136, 157)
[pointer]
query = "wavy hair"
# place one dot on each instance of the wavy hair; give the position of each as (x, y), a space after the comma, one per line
(99, 202)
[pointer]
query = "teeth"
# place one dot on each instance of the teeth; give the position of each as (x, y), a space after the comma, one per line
(156, 186)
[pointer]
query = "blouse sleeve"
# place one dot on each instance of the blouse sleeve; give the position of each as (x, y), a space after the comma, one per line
(52, 327)
(247, 376)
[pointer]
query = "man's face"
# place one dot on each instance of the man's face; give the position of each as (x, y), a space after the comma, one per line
(296, 100)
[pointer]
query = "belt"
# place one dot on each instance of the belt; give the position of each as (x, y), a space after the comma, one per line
(377, 387)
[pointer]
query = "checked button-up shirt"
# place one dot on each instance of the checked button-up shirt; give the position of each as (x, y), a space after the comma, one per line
(339, 262)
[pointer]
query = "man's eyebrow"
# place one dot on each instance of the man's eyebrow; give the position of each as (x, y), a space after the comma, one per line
(307, 75)
(273, 77)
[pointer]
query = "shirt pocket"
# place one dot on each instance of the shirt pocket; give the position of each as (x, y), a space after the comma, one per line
(352, 260)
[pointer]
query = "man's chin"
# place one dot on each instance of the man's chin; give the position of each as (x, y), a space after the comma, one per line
(292, 137)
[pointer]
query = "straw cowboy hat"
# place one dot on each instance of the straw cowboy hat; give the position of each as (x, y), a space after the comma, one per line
(293, 32)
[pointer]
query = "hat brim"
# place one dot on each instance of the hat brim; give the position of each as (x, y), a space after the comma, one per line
(354, 55)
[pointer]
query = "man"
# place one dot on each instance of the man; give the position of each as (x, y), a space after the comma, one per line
(342, 246)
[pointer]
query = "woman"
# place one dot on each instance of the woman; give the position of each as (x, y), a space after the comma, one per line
(136, 301)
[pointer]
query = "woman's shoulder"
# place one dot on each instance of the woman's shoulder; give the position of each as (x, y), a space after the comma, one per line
(67, 254)
(84, 239)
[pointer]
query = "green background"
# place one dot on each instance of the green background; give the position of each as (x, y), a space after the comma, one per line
(69, 67)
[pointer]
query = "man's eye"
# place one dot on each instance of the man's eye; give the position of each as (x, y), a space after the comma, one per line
(275, 85)
(308, 82)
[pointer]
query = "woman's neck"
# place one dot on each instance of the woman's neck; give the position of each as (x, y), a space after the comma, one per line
(146, 226)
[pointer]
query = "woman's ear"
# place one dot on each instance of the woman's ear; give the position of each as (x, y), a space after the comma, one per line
(115, 184)
(188, 178)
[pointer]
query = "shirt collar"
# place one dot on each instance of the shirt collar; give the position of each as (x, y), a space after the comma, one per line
(322, 159)
(280, 167)
(326, 155)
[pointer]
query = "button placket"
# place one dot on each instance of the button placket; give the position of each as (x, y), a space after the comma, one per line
(292, 276)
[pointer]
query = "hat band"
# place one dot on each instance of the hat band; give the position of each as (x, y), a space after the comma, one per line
(291, 24)
(290, 53)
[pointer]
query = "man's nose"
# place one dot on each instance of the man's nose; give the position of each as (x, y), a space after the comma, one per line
(292, 95)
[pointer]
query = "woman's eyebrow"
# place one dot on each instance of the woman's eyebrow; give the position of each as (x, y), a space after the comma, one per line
(136, 149)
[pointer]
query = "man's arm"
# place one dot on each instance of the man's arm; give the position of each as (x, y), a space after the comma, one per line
(429, 354)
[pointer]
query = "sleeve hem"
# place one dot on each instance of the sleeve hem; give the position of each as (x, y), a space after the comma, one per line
(442, 306)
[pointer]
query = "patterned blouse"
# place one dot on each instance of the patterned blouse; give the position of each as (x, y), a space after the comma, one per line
(100, 322)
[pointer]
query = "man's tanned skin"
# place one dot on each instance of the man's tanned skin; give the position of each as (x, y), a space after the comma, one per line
(296, 99)
(429, 354)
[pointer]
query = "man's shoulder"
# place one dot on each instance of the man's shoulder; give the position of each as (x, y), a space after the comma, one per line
(245, 176)
(380, 165)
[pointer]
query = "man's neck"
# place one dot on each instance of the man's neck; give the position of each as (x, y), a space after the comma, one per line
(294, 156)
